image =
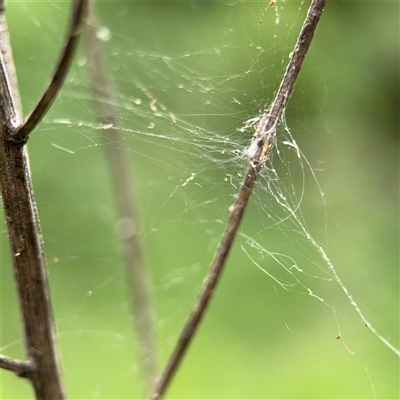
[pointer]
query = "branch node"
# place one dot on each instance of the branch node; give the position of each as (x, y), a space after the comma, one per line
(24, 369)
(57, 80)
(18, 138)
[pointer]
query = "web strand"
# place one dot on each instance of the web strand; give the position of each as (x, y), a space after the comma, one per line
(263, 140)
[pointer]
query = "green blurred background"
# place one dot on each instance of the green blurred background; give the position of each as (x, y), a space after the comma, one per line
(213, 65)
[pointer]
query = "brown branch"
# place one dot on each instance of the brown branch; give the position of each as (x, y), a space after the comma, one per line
(23, 226)
(21, 368)
(57, 80)
(27, 254)
(122, 179)
(8, 61)
(258, 153)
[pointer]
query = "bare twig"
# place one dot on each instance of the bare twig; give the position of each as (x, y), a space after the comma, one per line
(258, 153)
(8, 60)
(43, 368)
(122, 179)
(56, 82)
(20, 367)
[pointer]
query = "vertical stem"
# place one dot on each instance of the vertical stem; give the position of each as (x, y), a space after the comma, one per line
(9, 66)
(27, 250)
(123, 181)
(27, 253)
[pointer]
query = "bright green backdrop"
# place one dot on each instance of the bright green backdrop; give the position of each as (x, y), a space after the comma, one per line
(215, 64)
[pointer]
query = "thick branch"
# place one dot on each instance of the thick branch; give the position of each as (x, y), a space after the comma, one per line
(23, 225)
(258, 152)
(28, 255)
(21, 368)
(122, 179)
(56, 82)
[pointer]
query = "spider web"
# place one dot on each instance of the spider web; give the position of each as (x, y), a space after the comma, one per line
(191, 80)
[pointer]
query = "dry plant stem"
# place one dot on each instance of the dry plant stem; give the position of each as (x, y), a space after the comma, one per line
(43, 368)
(28, 255)
(57, 80)
(20, 367)
(8, 60)
(122, 179)
(258, 153)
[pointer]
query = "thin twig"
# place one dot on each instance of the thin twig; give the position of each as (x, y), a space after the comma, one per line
(258, 153)
(57, 80)
(9, 66)
(20, 367)
(123, 182)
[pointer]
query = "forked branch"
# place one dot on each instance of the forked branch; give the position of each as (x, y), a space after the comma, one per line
(258, 153)
(26, 243)
(21, 135)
